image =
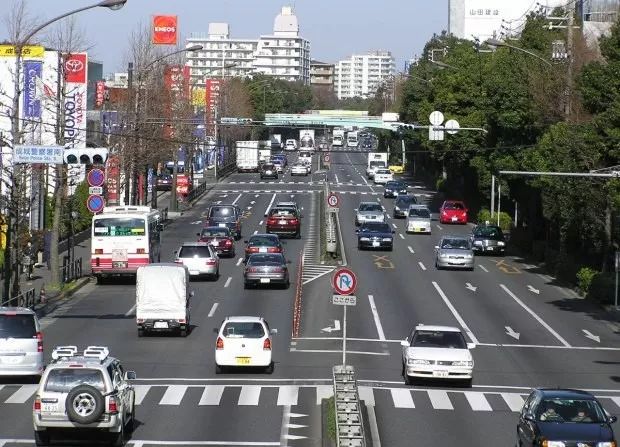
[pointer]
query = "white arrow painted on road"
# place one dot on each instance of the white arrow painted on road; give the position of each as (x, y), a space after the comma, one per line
(533, 290)
(256, 196)
(252, 202)
(512, 333)
(332, 329)
(470, 287)
(293, 437)
(591, 336)
(297, 415)
(196, 222)
(296, 426)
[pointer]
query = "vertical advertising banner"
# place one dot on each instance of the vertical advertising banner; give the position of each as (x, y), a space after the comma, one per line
(176, 83)
(75, 69)
(112, 180)
(211, 101)
(164, 30)
(32, 101)
(99, 93)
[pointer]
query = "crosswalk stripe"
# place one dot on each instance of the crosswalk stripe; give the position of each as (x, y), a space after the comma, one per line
(173, 395)
(287, 395)
(366, 394)
(140, 391)
(211, 395)
(616, 400)
(249, 395)
(323, 392)
(440, 400)
(513, 400)
(477, 401)
(402, 398)
(22, 394)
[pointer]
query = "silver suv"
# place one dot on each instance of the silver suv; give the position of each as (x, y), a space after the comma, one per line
(21, 342)
(88, 391)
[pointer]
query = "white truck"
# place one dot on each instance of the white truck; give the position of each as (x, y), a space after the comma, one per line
(352, 139)
(338, 137)
(247, 156)
(376, 160)
(306, 140)
(162, 298)
(276, 141)
(264, 152)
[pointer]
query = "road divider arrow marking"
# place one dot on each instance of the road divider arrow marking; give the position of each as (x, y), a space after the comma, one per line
(470, 287)
(293, 437)
(512, 333)
(591, 336)
(533, 290)
(296, 426)
(332, 329)
(297, 415)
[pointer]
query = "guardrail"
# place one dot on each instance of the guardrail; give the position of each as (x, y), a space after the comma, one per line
(71, 270)
(349, 421)
(196, 192)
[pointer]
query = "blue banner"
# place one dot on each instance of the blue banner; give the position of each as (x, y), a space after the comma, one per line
(32, 101)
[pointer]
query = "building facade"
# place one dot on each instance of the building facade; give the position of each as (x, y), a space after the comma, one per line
(284, 54)
(322, 74)
(362, 74)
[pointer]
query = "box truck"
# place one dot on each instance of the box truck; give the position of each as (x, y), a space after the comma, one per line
(247, 156)
(338, 137)
(376, 160)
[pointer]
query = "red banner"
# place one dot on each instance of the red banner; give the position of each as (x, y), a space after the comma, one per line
(75, 67)
(164, 30)
(182, 184)
(211, 101)
(176, 83)
(112, 181)
(99, 93)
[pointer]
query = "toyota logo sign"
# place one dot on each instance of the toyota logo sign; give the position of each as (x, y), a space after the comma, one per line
(75, 68)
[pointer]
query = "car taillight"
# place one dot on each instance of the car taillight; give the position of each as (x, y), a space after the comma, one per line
(36, 406)
(274, 250)
(182, 320)
(278, 269)
(220, 343)
(228, 242)
(178, 261)
(39, 342)
(210, 261)
(252, 270)
(267, 345)
(98, 251)
(141, 251)
(252, 249)
(139, 320)
(112, 407)
(271, 221)
(294, 221)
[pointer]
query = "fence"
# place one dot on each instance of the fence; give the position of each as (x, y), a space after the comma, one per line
(349, 421)
(71, 270)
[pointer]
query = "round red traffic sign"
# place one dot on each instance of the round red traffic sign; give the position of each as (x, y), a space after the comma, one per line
(332, 200)
(95, 203)
(326, 158)
(96, 177)
(344, 281)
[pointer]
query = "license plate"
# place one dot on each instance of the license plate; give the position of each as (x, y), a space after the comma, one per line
(243, 360)
(440, 373)
(194, 272)
(282, 222)
(119, 265)
(265, 280)
(262, 250)
(11, 360)
(454, 219)
(221, 225)
(375, 244)
(419, 230)
(489, 248)
(215, 242)
(49, 408)
(161, 325)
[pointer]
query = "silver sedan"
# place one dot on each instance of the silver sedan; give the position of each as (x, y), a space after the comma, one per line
(454, 252)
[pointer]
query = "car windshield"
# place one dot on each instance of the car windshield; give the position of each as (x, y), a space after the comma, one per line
(190, 251)
(376, 228)
(14, 325)
(489, 232)
(577, 411)
(266, 259)
(63, 380)
(405, 200)
(421, 213)
(374, 164)
(284, 212)
(269, 241)
(119, 226)
(215, 232)
(269, 166)
(370, 207)
(394, 185)
(242, 329)
(438, 339)
(455, 244)
(383, 171)
(222, 211)
(453, 206)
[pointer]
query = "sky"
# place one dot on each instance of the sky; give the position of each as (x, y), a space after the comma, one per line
(335, 28)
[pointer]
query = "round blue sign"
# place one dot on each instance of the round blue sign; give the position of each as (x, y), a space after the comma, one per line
(96, 177)
(94, 203)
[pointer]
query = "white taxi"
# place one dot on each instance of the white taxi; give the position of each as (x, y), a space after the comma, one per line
(382, 176)
(244, 342)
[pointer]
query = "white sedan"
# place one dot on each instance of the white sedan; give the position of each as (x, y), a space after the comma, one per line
(300, 169)
(200, 258)
(437, 352)
(244, 342)
(382, 176)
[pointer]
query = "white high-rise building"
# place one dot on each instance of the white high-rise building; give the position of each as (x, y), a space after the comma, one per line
(362, 74)
(283, 54)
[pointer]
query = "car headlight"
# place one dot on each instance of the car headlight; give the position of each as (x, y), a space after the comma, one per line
(396, 208)
(469, 256)
(607, 444)
(443, 255)
(418, 362)
(467, 363)
(364, 239)
(477, 242)
(387, 239)
(553, 444)
(501, 243)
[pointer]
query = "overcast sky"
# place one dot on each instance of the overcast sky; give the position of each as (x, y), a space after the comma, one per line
(335, 28)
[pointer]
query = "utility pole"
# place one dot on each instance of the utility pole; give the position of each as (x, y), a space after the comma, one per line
(569, 50)
(126, 161)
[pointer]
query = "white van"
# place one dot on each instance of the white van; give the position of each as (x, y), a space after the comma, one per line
(163, 298)
(21, 342)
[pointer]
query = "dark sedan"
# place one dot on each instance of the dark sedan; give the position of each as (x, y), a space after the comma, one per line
(225, 216)
(268, 170)
(163, 182)
(394, 188)
(263, 243)
(266, 269)
(564, 418)
(220, 238)
(402, 204)
(375, 235)
(488, 239)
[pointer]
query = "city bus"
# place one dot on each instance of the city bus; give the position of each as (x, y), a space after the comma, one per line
(123, 239)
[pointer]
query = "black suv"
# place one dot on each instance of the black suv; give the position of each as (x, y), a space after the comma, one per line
(228, 216)
(268, 170)
(487, 238)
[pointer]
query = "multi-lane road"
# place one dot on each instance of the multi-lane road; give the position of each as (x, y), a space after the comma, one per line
(529, 330)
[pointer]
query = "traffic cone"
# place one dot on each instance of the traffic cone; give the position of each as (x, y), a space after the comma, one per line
(42, 295)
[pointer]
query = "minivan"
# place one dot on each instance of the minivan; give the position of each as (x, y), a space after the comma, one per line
(21, 342)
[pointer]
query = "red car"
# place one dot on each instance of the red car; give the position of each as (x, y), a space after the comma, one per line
(219, 238)
(453, 211)
(284, 221)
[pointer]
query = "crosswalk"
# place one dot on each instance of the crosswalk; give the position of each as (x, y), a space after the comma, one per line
(283, 395)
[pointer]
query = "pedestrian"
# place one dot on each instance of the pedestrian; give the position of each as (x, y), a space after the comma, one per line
(28, 260)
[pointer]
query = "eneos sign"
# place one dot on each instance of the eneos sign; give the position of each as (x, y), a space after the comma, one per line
(164, 30)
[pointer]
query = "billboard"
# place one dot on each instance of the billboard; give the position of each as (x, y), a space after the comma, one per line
(164, 30)
(32, 101)
(99, 93)
(211, 100)
(28, 51)
(75, 67)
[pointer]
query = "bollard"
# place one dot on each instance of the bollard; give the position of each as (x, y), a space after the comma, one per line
(42, 295)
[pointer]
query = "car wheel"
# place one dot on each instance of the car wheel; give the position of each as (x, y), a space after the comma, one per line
(269, 368)
(140, 332)
(84, 404)
(298, 235)
(287, 284)
(219, 369)
(42, 438)
(408, 380)
(390, 248)
(402, 371)
(467, 383)
(437, 266)
(246, 285)
(131, 425)
(217, 275)
(100, 279)
(118, 439)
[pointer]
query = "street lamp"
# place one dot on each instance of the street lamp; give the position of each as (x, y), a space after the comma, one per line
(443, 65)
(499, 43)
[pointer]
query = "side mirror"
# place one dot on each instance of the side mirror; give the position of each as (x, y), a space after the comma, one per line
(175, 252)
(404, 343)
(216, 330)
(613, 419)
(393, 231)
(357, 231)
(198, 234)
(471, 345)
(528, 417)
(355, 209)
(273, 332)
(191, 294)
(436, 247)
(130, 375)
(245, 241)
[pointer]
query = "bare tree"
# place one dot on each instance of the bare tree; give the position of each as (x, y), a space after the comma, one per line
(235, 101)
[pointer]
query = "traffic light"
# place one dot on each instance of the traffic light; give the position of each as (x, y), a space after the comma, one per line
(86, 156)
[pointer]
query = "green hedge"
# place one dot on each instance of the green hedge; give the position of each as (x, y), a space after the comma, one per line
(505, 221)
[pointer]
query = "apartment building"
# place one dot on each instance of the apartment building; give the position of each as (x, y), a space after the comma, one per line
(322, 74)
(362, 74)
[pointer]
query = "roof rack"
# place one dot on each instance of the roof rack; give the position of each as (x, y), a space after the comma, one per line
(98, 352)
(63, 351)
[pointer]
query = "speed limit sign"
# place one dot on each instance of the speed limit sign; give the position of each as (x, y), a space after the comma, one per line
(332, 200)
(326, 158)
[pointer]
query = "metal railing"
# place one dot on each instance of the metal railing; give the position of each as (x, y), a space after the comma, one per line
(71, 270)
(349, 421)
(26, 299)
(196, 192)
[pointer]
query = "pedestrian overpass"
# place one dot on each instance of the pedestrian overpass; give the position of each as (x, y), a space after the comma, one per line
(389, 121)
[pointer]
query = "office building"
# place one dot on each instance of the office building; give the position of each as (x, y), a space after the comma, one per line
(362, 74)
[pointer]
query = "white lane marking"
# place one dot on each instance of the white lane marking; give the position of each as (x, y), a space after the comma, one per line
(142, 443)
(256, 195)
(255, 231)
(211, 395)
(261, 222)
(249, 395)
(440, 400)
(477, 401)
(20, 396)
(237, 199)
(517, 345)
(483, 268)
(270, 203)
(439, 227)
(394, 225)
(536, 316)
(421, 265)
(287, 395)
(513, 400)
(402, 398)
(616, 400)
(239, 261)
(401, 236)
(366, 394)
(336, 351)
(455, 313)
(131, 311)
(411, 250)
(173, 395)
(323, 392)
(140, 392)
(375, 315)
(228, 281)
(213, 309)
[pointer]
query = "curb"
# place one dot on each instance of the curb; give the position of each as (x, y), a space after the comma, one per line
(54, 303)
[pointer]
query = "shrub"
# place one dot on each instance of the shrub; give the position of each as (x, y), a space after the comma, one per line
(585, 276)
(602, 288)
(441, 184)
(505, 221)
